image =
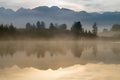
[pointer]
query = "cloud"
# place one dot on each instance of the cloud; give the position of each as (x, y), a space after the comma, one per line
(97, 5)
(88, 5)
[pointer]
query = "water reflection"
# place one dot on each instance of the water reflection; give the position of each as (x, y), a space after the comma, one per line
(53, 55)
(94, 50)
(7, 50)
(53, 49)
(116, 49)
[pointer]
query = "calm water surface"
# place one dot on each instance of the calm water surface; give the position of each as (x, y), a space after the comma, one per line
(70, 58)
(53, 54)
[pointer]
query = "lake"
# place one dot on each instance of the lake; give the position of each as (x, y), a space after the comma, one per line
(59, 60)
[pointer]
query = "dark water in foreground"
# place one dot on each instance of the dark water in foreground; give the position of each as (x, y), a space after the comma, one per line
(72, 58)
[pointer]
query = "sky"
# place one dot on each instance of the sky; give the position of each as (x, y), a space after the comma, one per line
(77, 5)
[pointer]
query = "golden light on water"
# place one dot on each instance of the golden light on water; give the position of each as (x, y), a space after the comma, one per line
(80, 72)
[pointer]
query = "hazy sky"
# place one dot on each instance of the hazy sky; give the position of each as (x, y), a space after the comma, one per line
(78, 5)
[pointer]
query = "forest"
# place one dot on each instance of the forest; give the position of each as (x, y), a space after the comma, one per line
(39, 30)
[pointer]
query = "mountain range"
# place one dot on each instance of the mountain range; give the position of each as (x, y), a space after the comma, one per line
(57, 15)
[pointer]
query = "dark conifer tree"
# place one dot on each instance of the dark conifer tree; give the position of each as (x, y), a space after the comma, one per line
(95, 29)
(42, 24)
(77, 28)
(28, 26)
(38, 24)
(52, 27)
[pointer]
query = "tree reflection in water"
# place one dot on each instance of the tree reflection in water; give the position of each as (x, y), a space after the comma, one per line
(116, 49)
(54, 49)
(54, 55)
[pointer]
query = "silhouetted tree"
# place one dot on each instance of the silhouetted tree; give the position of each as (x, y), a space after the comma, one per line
(1, 29)
(38, 24)
(63, 27)
(85, 33)
(43, 25)
(52, 27)
(90, 34)
(39, 30)
(5, 29)
(77, 28)
(95, 29)
(11, 29)
(115, 27)
(28, 26)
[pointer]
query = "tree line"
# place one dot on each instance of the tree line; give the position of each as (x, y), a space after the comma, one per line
(6, 30)
(115, 27)
(39, 30)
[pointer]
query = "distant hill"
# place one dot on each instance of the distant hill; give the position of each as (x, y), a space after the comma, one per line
(57, 15)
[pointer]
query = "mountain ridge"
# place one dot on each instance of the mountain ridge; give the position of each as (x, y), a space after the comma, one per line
(57, 15)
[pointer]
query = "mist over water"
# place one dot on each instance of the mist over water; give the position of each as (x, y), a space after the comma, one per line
(59, 60)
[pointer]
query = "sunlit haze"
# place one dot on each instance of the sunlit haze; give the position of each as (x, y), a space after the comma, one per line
(59, 40)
